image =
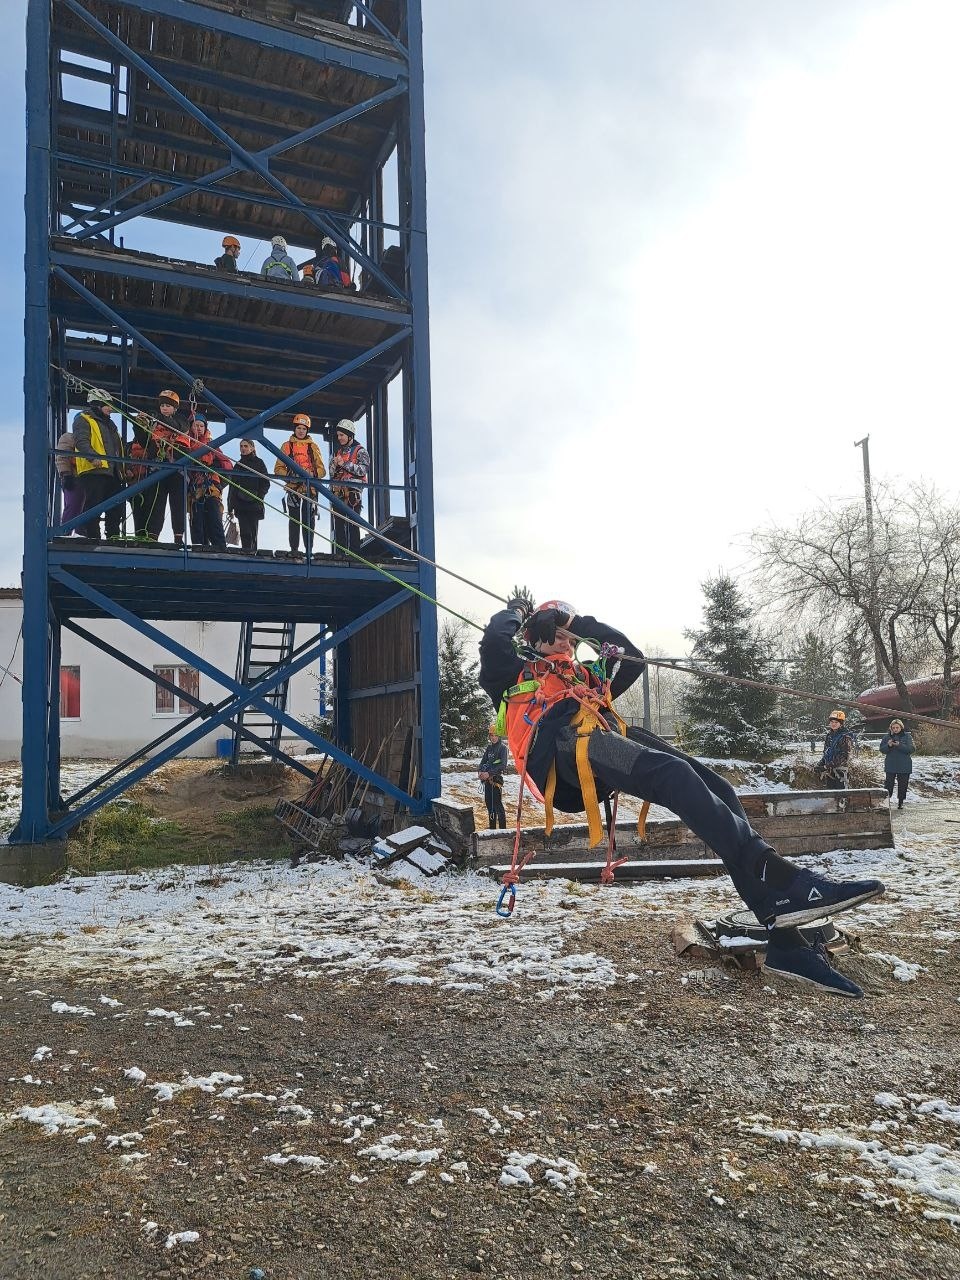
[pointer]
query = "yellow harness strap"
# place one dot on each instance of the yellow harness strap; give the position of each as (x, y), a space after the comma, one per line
(642, 821)
(548, 799)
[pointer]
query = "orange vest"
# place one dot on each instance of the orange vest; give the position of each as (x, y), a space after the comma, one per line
(305, 454)
(554, 677)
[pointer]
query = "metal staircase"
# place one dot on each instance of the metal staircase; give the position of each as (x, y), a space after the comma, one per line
(263, 647)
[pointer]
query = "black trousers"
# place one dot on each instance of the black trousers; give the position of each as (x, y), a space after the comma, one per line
(493, 799)
(345, 534)
(97, 486)
(206, 523)
(645, 766)
(168, 490)
(249, 527)
(303, 519)
(902, 780)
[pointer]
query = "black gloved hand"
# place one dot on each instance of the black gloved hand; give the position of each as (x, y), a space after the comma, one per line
(542, 627)
(519, 605)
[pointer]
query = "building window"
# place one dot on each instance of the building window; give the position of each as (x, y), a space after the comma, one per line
(185, 678)
(69, 693)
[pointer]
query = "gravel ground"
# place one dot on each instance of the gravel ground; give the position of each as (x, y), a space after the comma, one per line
(333, 1075)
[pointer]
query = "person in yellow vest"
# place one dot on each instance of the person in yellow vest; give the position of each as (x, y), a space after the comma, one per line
(100, 470)
(301, 505)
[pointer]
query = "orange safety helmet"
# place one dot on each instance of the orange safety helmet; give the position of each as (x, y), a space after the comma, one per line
(837, 715)
(171, 396)
(302, 420)
(230, 242)
(307, 270)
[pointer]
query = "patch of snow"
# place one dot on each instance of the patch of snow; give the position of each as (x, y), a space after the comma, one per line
(182, 1237)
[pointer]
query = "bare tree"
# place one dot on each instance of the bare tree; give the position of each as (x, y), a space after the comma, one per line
(937, 609)
(825, 565)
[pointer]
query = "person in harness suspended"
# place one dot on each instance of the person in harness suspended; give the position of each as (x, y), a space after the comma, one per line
(280, 266)
(301, 505)
(490, 771)
(833, 767)
(572, 749)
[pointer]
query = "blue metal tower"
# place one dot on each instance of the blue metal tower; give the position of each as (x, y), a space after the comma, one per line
(300, 118)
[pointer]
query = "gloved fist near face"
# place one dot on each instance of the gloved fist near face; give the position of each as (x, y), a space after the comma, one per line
(543, 626)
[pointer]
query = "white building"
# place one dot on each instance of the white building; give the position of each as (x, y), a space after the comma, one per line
(107, 710)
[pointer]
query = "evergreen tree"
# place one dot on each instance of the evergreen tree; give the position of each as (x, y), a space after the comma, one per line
(815, 667)
(725, 719)
(464, 707)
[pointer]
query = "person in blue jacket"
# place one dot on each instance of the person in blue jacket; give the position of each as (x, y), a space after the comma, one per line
(897, 748)
(493, 764)
(280, 266)
(833, 767)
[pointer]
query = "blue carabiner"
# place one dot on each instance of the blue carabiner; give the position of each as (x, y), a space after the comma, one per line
(505, 912)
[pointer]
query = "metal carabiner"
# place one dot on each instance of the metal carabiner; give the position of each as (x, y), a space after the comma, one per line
(506, 911)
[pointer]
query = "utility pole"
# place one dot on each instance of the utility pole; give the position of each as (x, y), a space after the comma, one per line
(864, 444)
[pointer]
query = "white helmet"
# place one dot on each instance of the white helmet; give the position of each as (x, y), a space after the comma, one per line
(278, 242)
(347, 425)
(326, 241)
(96, 396)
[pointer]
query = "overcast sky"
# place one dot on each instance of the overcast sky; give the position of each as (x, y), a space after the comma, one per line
(682, 254)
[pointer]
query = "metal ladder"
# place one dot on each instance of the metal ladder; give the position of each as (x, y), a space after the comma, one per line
(262, 647)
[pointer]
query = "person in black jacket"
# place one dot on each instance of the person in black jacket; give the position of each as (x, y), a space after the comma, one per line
(897, 748)
(490, 771)
(248, 488)
(228, 259)
(551, 702)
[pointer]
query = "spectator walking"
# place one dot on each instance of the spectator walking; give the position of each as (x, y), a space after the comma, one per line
(228, 259)
(100, 470)
(301, 500)
(833, 767)
(249, 486)
(280, 266)
(349, 471)
(66, 463)
(897, 748)
(205, 490)
(493, 764)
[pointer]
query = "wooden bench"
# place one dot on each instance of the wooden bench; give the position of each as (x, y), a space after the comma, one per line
(794, 822)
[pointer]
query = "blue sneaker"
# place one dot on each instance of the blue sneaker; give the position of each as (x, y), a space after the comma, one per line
(812, 966)
(811, 897)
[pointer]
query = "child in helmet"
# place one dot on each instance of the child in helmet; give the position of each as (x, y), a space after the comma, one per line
(349, 469)
(571, 747)
(205, 490)
(493, 764)
(301, 505)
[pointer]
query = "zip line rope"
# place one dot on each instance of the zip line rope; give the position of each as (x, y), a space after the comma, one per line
(128, 412)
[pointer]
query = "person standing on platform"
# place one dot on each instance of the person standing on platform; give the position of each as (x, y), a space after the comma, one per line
(228, 259)
(66, 463)
(493, 764)
(349, 472)
(897, 748)
(205, 490)
(100, 471)
(280, 266)
(833, 767)
(301, 505)
(171, 439)
(249, 486)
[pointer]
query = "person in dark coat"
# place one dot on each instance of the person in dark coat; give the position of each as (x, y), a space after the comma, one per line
(833, 767)
(493, 764)
(897, 748)
(228, 259)
(249, 485)
(571, 748)
(100, 473)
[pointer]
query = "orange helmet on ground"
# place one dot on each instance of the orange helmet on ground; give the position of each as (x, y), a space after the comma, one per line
(170, 396)
(230, 242)
(302, 420)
